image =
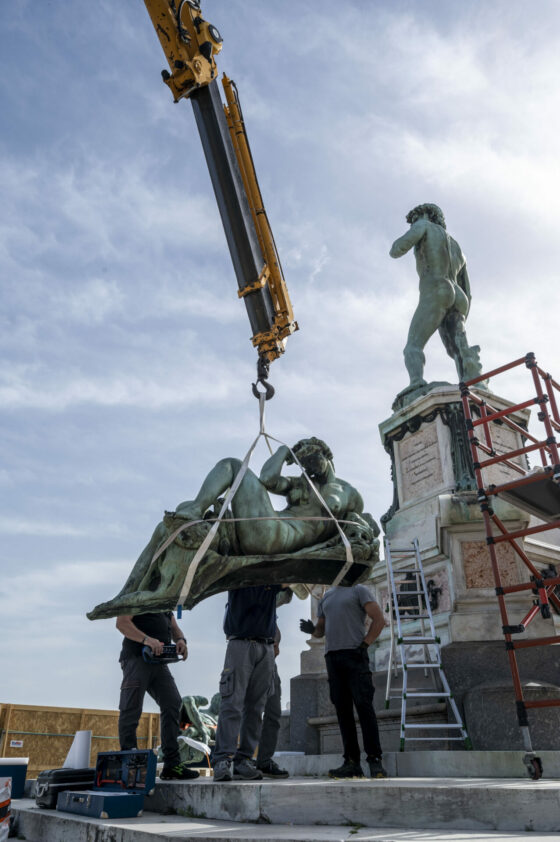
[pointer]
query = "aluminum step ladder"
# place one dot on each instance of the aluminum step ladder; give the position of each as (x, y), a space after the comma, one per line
(409, 602)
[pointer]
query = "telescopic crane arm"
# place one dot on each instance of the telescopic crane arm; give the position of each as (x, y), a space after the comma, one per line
(190, 44)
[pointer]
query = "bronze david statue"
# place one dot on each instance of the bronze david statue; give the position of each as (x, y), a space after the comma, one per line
(445, 295)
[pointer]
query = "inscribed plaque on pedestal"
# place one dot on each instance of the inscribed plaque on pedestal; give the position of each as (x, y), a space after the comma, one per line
(420, 462)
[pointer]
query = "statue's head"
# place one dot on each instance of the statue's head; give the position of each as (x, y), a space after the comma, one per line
(314, 455)
(215, 704)
(433, 213)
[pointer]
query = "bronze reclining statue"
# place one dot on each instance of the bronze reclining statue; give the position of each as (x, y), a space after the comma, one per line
(254, 544)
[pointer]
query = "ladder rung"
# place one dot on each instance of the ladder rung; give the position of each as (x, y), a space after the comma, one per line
(433, 725)
(412, 639)
(420, 739)
(423, 695)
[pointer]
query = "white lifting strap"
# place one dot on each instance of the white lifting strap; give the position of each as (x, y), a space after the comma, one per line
(200, 553)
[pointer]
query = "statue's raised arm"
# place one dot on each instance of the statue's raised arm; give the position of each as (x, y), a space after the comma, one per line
(271, 476)
(409, 239)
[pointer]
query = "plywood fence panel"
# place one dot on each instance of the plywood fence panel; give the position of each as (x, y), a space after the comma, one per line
(46, 733)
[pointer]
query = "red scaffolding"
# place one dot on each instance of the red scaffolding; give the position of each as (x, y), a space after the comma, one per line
(537, 491)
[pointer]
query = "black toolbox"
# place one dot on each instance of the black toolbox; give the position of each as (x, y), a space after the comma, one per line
(53, 781)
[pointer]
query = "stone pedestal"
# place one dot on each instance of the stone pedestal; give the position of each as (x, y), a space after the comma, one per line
(309, 701)
(435, 501)
(480, 677)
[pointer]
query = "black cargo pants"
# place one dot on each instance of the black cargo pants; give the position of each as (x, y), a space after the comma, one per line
(140, 678)
(351, 685)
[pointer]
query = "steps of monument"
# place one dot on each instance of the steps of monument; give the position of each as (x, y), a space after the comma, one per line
(467, 804)
(456, 803)
(37, 825)
(429, 764)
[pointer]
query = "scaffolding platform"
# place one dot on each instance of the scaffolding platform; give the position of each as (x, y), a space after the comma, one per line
(539, 495)
(536, 490)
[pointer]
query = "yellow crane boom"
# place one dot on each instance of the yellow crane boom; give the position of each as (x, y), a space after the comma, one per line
(190, 44)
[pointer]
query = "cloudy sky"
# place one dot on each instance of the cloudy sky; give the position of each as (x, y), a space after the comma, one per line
(126, 361)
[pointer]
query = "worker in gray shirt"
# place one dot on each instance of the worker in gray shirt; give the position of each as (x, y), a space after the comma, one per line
(341, 616)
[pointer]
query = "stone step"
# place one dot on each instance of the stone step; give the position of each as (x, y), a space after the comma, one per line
(467, 791)
(430, 764)
(455, 803)
(36, 825)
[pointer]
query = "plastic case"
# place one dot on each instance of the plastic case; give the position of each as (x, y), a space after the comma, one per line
(122, 779)
(51, 782)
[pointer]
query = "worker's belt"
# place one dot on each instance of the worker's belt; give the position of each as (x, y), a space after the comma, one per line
(268, 640)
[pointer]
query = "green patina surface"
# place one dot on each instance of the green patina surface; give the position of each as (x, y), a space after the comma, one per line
(445, 299)
(255, 544)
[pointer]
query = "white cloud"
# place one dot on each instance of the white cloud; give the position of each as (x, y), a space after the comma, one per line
(51, 529)
(59, 587)
(28, 387)
(92, 302)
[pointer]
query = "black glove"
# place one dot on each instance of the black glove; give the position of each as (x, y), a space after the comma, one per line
(306, 626)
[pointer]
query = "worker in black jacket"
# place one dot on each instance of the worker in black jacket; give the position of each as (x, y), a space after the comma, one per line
(246, 680)
(153, 630)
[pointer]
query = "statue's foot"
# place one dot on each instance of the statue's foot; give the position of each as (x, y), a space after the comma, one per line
(137, 602)
(413, 386)
(188, 510)
(414, 390)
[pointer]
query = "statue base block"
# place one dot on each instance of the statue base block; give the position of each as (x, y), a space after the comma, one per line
(480, 679)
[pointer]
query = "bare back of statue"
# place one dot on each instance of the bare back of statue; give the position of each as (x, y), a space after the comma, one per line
(445, 297)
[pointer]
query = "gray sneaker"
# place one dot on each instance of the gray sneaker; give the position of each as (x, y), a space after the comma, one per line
(246, 770)
(223, 770)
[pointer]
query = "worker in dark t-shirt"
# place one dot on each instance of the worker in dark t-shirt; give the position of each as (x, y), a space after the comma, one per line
(246, 680)
(141, 677)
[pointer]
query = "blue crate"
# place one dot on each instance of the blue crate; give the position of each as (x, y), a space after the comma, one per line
(16, 769)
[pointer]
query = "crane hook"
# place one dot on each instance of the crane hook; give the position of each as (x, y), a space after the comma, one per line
(263, 366)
